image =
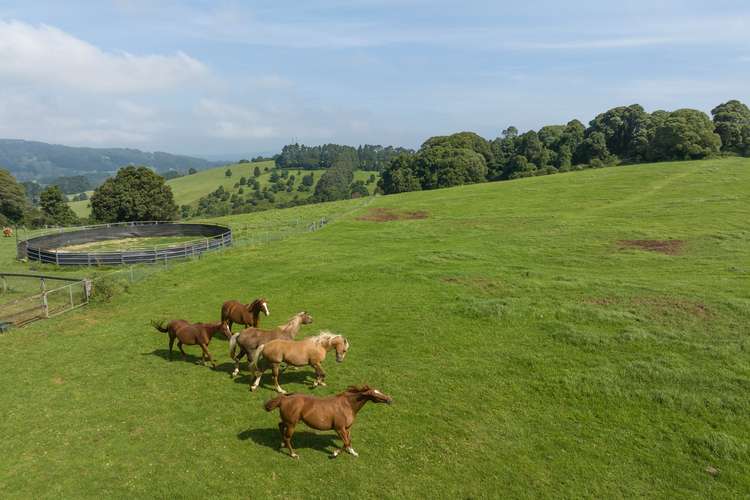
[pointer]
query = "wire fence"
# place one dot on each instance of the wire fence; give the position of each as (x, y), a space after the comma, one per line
(28, 297)
(106, 283)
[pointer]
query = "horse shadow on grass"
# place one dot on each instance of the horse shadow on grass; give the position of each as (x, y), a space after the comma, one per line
(302, 376)
(271, 438)
(176, 356)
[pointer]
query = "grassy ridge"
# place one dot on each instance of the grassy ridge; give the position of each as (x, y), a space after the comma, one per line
(189, 189)
(530, 351)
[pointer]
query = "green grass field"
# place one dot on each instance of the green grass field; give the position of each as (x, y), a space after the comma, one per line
(536, 340)
(189, 189)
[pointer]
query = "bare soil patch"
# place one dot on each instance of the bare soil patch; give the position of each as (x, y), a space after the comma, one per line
(668, 247)
(386, 215)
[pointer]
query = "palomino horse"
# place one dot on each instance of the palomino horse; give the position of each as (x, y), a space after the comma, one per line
(250, 338)
(233, 311)
(332, 413)
(192, 334)
(310, 351)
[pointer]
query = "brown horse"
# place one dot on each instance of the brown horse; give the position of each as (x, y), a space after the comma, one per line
(332, 413)
(192, 334)
(250, 338)
(233, 311)
(310, 351)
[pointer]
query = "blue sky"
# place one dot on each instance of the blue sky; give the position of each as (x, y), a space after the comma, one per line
(230, 77)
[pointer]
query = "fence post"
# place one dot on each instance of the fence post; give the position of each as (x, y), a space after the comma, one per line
(43, 285)
(70, 289)
(45, 305)
(5, 285)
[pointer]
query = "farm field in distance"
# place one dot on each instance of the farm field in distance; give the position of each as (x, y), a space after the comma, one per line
(190, 188)
(575, 335)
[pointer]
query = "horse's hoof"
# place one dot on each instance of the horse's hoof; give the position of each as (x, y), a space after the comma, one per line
(295, 456)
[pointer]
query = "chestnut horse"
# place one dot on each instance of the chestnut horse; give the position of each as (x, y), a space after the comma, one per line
(250, 338)
(332, 413)
(233, 311)
(310, 351)
(192, 334)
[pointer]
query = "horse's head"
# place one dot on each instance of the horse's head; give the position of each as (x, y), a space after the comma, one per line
(341, 345)
(258, 306)
(306, 318)
(226, 330)
(369, 394)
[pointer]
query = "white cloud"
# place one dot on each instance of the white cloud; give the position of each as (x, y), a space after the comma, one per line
(46, 55)
(234, 122)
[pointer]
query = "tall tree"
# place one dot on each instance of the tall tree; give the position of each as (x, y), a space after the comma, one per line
(625, 131)
(135, 193)
(13, 204)
(399, 176)
(440, 166)
(685, 134)
(54, 206)
(732, 122)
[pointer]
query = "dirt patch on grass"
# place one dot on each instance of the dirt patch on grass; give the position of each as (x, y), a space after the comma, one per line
(58, 380)
(660, 305)
(387, 215)
(668, 247)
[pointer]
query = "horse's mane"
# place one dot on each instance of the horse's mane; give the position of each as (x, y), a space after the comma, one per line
(255, 303)
(355, 389)
(325, 336)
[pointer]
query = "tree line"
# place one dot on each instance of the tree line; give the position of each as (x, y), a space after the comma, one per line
(625, 134)
(365, 157)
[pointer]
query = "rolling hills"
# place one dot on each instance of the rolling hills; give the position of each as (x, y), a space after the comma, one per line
(32, 160)
(576, 335)
(190, 188)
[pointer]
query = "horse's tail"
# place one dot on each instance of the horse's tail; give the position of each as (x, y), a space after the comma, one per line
(274, 403)
(160, 326)
(233, 344)
(255, 357)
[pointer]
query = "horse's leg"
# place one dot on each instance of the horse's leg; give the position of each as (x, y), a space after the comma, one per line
(171, 343)
(207, 354)
(282, 430)
(288, 433)
(341, 433)
(179, 344)
(320, 375)
(348, 443)
(275, 368)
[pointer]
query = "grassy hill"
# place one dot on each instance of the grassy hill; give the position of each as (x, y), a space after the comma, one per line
(577, 335)
(191, 188)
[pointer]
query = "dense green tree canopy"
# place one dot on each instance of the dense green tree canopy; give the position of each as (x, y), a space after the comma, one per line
(335, 183)
(399, 177)
(443, 166)
(54, 206)
(685, 134)
(732, 122)
(462, 140)
(13, 203)
(135, 193)
(625, 131)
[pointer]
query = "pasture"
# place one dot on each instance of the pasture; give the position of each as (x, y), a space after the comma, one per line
(189, 189)
(576, 335)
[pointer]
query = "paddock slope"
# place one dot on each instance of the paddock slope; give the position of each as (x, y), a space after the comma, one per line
(535, 346)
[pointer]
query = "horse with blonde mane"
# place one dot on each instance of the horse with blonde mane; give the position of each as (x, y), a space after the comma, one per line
(310, 351)
(249, 339)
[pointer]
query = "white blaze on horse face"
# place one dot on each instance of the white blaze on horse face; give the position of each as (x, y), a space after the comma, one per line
(377, 392)
(265, 308)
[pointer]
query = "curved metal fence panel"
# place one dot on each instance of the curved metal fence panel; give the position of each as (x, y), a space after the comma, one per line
(50, 248)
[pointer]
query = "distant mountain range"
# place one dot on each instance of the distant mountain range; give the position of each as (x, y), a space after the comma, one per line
(31, 160)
